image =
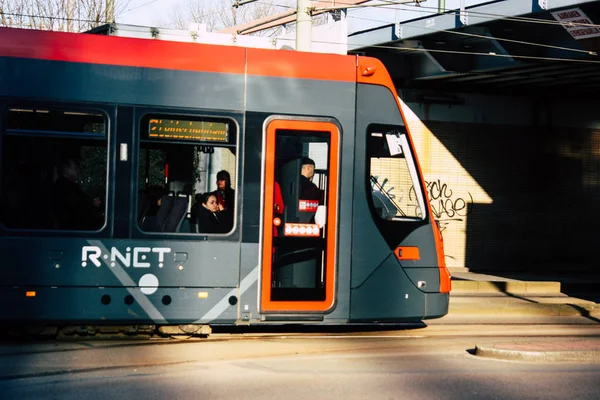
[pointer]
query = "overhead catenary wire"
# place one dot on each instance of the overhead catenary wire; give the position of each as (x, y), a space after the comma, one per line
(55, 18)
(400, 3)
(435, 11)
(486, 37)
(422, 49)
(575, 60)
(383, 4)
(412, 49)
(276, 5)
(293, 11)
(140, 6)
(33, 16)
(515, 18)
(458, 52)
(388, 2)
(490, 54)
(403, 3)
(394, 4)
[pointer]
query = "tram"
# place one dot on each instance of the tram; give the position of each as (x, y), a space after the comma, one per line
(116, 151)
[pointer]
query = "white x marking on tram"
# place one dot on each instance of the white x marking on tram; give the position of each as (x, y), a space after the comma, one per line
(223, 304)
(130, 285)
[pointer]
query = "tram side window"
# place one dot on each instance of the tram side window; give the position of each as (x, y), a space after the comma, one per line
(187, 175)
(393, 178)
(54, 168)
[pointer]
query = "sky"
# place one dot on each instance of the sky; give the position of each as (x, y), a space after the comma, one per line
(148, 12)
(158, 12)
(152, 12)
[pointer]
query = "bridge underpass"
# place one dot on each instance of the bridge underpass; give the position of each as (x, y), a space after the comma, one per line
(502, 104)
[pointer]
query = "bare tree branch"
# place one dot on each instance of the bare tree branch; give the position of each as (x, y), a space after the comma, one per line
(223, 14)
(83, 15)
(62, 15)
(195, 11)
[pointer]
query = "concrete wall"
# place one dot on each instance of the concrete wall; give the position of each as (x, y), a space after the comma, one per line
(515, 184)
(505, 110)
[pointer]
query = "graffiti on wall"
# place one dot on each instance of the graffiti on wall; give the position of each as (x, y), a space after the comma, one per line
(445, 205)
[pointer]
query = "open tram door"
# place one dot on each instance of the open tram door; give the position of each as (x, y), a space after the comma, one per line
(299, 216)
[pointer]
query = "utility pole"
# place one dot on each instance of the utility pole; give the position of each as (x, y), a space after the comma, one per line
(303, 25)
(110, 11)
(441, 6)
(70, 16)
(303, 22)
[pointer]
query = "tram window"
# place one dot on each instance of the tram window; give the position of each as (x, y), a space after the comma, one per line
(54, 169)
(395, 187)
(181, 163)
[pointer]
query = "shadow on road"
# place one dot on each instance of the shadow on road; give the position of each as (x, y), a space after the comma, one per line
(323, 329)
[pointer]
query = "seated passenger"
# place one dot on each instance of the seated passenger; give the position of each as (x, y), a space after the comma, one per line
(18, 199)
(208, 215)
(73, 209)
(155, 194)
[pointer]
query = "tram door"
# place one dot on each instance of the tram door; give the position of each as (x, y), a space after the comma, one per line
(300, 216)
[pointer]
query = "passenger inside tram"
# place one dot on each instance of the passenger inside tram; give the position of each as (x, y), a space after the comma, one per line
(209, 218)
(225, 196)
(74, 209)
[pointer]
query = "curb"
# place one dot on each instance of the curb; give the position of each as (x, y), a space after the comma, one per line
(580, 351)
(556, 310)
(557, 306)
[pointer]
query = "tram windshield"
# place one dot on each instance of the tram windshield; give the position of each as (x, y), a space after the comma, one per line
(395, 186)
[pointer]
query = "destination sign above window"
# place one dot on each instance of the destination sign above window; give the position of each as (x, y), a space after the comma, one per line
(208, 131)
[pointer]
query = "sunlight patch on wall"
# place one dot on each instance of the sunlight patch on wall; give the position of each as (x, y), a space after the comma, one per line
(453, 192)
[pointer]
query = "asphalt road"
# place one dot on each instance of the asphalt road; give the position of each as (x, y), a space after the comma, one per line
(435, 362)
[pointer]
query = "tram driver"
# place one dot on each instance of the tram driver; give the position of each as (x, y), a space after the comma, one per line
(308, 190)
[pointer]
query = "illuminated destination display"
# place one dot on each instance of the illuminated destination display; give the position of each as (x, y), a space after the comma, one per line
(191, 130)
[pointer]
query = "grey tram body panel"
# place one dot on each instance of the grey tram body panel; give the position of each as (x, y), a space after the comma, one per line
(102, 276)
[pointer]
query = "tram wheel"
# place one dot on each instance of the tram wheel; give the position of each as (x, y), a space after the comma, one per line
(183, 332)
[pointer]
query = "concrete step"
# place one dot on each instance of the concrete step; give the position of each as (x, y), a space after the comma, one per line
(510, 304)
(469, 282)
(481, 283)
(505, 287)
(525, 294)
